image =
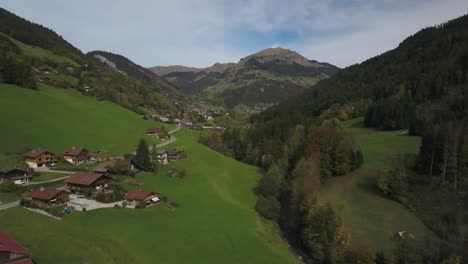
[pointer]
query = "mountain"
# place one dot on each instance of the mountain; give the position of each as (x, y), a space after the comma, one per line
(266, 77)
(127, 67)
(31, 53)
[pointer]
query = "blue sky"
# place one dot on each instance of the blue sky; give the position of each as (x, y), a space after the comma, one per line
(200, 33)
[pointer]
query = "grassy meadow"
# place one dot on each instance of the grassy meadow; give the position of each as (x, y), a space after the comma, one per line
(56, 119)
(371, 218)
(212, 217)
(213, 221)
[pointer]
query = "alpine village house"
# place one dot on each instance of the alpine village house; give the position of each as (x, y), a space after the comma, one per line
(39, 158)
(76, 155)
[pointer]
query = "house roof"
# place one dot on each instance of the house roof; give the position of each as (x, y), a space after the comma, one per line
(4, 171)
(171, 152)
(84, 178)
(74, 151)
(44, 194)
(34, 153)
(155, 130)
(138, 195)
(7, 244)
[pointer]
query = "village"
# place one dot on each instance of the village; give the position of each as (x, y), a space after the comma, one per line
(89, 182)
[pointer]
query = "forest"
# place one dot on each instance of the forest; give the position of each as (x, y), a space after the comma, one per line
(421, 86)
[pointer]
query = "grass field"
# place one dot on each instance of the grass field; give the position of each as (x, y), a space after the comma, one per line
(371, 218)
(214, 221)
(59, 118)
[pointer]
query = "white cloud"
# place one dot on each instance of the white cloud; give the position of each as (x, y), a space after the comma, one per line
(199, 33)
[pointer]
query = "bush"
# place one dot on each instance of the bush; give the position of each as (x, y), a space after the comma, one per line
(25, 203)
(84, 209)
(140, 205)
(268, 207)
(164, 199)
(8, 186)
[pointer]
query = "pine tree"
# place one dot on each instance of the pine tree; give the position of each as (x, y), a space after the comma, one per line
(143, 158)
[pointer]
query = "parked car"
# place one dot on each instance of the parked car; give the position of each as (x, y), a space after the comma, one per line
(81, 196)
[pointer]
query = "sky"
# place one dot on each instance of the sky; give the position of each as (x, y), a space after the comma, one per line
(202, 32)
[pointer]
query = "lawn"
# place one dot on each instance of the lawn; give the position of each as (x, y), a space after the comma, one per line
(59, 118)
(47, 176)
(371, 218)
(214, 221)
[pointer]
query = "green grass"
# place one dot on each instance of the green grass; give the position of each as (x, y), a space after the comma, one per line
(56, 119)
(214, 222)
(38, 52)
(371, 218)
(47, 176)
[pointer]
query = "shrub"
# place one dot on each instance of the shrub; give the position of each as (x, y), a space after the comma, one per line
(164, 199)
(268, 207)
(84, 209)
(140, 205)
(25, 203)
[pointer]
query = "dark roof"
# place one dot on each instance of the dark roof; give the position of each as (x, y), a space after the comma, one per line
(4, 171)
(84, 178)
(34, 153)
(7, 244)
(74, 151)
(171, 152)
(45, 194)
(138, 195)
(155, 130)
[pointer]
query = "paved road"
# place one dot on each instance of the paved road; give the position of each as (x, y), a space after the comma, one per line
(9, 205)
(37, 183)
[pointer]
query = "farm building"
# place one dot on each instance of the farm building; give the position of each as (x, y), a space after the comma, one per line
(48, 196)
(11, 252)
(87, 182)
(76, 155)
(136, 196)
(39, 157)
(18, 176)
(158, 132)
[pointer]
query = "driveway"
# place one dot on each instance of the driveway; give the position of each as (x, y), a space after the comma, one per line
(80, 203)
(46, 169)
(37, 183)
(9, 205)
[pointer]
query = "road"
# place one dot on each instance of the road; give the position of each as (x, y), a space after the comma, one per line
(9, 205)
(54, 180)
(169, 141)
(46, 169)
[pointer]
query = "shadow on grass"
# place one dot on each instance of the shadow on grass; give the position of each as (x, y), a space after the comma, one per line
(368, 183)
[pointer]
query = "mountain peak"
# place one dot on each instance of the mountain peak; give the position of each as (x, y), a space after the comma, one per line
(278, 54)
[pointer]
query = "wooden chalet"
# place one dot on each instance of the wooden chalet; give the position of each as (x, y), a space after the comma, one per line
(76, 155)
(156, 132)
(18, 176)
(11, 252)
(87, 182)
(136, 196)
(48, 196)
(39, 158)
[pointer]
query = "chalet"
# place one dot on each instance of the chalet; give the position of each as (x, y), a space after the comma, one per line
(48, 196)
(173, 154)
(87, 182)
(162, 157)
(11, 252)
(76, 155)
(156, 132)
(176, 122)
(39, 157)
(187, 124)
(136, 196)
(18, 176)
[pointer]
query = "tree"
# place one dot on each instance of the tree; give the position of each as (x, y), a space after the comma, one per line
(142, 158)
(268, 207)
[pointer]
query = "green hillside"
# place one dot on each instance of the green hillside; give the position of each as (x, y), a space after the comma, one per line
(371, 218)
(213, 222)
(58, 118)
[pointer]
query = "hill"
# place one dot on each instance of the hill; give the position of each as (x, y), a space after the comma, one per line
(34, 54)
(127, 67)
(266, 77)
(213, 220)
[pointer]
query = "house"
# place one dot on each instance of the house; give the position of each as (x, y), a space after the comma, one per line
(76, 155)
(176, 121)
(47, 196)
(157, 132)
(137, 196)
(173, 154)
(11, 252)
(87, 182)
(39, 157)
(187, 124)
(18, 176)
(162, 157)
